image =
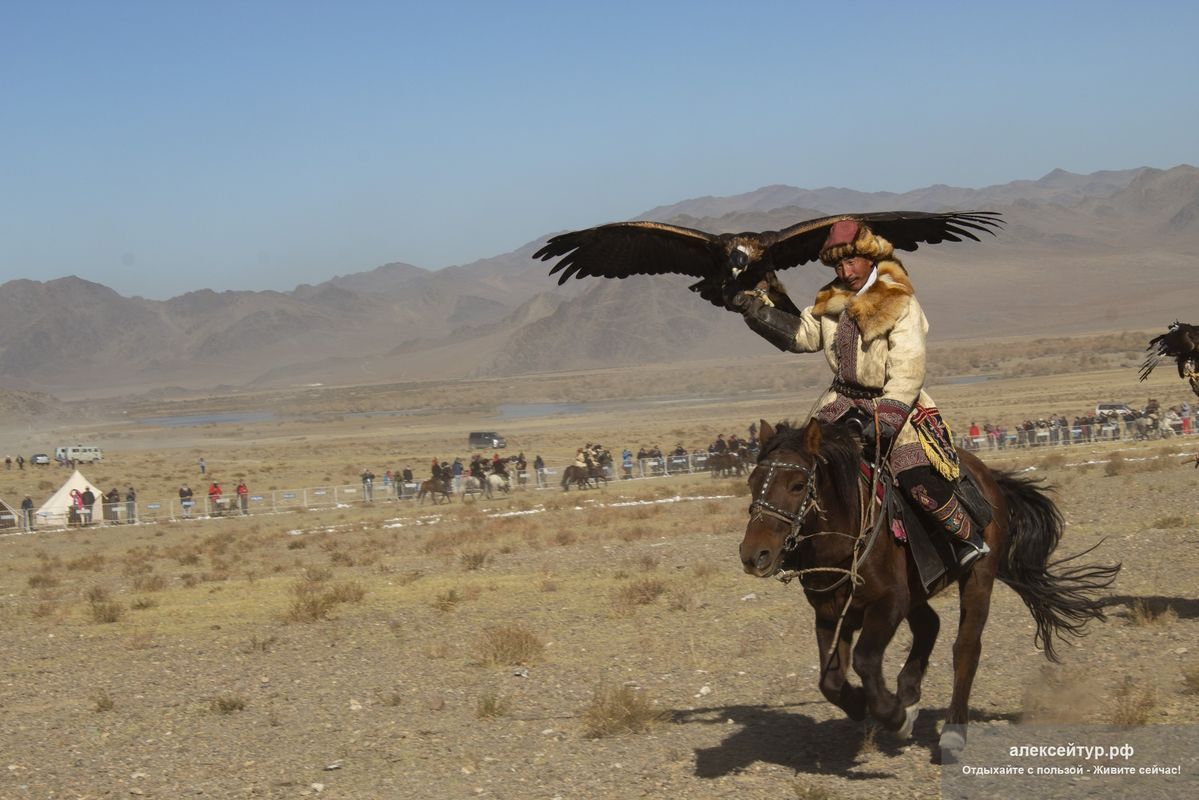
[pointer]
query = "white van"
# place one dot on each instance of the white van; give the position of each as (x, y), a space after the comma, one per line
(87, 455)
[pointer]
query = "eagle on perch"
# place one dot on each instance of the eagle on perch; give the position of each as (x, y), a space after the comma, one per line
(734, 261)
(1180, 342)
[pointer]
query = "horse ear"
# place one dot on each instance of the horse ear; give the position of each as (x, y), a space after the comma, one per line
(765, 432)
(811, 436)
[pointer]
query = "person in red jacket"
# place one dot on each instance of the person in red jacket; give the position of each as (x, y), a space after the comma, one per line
(243, 498)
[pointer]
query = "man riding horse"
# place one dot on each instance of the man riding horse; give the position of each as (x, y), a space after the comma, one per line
(872, 331)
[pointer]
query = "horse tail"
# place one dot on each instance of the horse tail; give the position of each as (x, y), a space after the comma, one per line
(1062, 601)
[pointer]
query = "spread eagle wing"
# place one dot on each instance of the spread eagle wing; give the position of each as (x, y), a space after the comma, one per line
(739, 260)
(1180, 342)
(905, 230)
(621, 249)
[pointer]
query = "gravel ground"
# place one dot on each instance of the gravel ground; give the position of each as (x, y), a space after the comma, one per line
(209, 690)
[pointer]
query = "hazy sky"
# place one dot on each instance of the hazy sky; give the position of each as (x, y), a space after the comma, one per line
(160, 147)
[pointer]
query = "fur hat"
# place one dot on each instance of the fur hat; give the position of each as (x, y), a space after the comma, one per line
(848, 238)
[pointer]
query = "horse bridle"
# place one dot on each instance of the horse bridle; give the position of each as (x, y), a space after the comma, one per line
(761, 507)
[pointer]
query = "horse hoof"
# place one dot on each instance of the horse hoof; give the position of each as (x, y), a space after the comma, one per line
(953, 742)
(909, 721)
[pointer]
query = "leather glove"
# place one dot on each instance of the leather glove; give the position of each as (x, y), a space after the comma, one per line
(736, 299)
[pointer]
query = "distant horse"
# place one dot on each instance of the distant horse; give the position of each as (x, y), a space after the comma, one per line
(582, 477)
(809, 499)
(498, 484)
(725, 464)
(472, 486)
(435, 489)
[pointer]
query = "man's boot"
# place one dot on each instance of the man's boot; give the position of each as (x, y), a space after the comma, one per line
(935, 495)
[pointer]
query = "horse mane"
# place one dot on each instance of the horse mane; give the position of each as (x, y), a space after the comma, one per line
(839, 450)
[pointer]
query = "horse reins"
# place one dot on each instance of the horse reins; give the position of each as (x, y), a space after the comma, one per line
(867, 532)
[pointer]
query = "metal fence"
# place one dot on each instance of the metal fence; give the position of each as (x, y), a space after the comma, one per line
(323, 497)
(530, 480)
(1053, 436)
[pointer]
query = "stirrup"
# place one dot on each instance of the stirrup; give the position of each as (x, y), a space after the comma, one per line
(969, 552)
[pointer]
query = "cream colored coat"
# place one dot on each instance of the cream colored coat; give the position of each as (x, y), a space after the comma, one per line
(886, 351)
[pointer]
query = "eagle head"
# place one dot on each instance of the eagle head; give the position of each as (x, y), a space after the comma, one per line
(742, 253)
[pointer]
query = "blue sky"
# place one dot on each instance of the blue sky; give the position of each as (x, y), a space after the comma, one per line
(162, 147)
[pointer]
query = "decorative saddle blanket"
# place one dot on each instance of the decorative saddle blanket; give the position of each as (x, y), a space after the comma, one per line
(932, 553)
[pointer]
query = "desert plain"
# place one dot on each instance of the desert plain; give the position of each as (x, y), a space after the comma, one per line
(590, 644)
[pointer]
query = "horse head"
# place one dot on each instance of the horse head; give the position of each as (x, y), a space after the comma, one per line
(799, 471)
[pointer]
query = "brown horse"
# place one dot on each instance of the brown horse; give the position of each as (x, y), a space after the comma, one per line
(435, 488)
(807, 515)
(724, 464)
(582, 477)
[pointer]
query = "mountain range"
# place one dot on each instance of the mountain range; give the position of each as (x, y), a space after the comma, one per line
(1079, 253)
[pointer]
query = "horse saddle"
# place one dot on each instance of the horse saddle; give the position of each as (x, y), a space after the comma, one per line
(933, 553)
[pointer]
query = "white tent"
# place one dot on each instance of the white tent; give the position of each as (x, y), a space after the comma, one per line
(10, 516)
(55, 512)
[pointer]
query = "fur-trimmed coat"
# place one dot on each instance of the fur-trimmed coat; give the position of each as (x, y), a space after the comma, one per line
(875, 340)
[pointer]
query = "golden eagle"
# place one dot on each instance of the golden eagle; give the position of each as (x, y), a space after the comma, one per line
(1180, 342)
(621, 249)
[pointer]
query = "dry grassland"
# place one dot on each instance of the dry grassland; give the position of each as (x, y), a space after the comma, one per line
(589, 644)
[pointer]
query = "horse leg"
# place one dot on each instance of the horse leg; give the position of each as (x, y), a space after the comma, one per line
(975, 600)
(878, 627)
(924, 624)
(834, 683)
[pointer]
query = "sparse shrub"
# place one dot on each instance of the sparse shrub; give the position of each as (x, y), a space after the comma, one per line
(640, 593)
(94, 562)
(447, 600)
(107, 612)
(297, 544)
(309, 606)
(150, 583)
(548, 584)
(341, 559)
(491, 706)
(474, 559)
(1053, 460)
(347, 592)
(141, 640)
(633, 533)
(1133, 706)
(565, 538)
(612, 712)
(188, 580)
(510, 645)
(648, 562)
(704, 570)
(227, 704)
(103, 701)
(1146, 612)
(1190, 679)
(44, 609)
(313, 602)
(43, 580)
(681, 599)
(314, 574)
(256, 645)
(1115, 465)
(143, 603)
(1174, 521)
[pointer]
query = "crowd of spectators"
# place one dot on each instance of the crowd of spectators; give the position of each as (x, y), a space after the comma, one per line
(1148, 422)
